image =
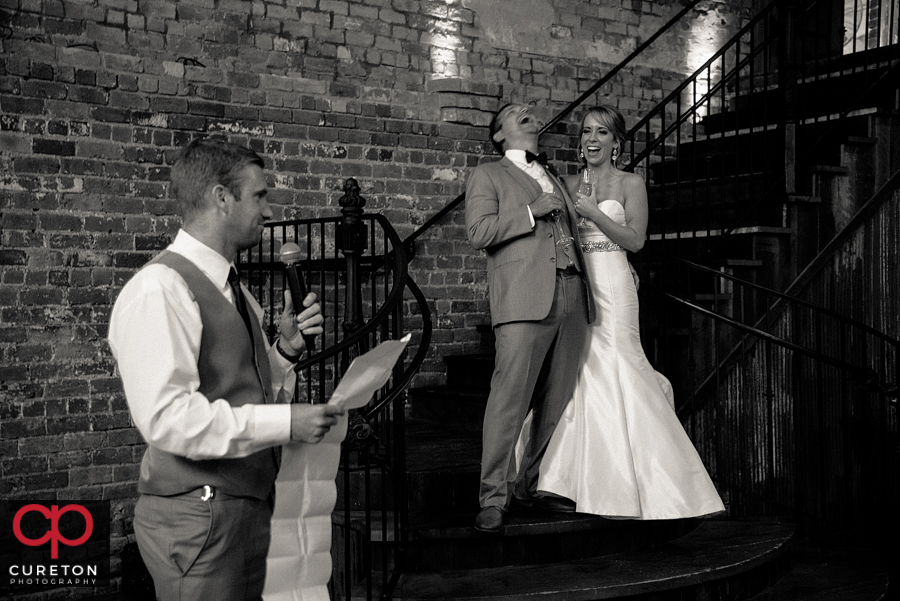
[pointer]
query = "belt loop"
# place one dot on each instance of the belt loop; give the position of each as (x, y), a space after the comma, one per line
(208, 492)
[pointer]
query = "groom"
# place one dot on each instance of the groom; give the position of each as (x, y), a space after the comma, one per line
(519, 212)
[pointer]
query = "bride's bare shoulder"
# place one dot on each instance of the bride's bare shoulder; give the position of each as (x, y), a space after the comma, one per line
(630, 178)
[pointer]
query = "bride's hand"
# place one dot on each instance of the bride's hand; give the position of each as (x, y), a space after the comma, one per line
(585, 206)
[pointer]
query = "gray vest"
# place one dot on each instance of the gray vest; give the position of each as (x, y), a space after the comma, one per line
(231, 368)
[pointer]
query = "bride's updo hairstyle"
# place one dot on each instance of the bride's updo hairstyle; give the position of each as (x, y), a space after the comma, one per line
(609, 117)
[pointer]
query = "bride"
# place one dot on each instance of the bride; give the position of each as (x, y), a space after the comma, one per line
(619, 449)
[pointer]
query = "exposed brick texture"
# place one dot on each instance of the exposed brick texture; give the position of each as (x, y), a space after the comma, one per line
(95, 98)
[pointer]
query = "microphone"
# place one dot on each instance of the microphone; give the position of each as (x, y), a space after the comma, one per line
(290, 256)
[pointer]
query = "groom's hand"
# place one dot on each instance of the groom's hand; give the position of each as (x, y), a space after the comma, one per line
(546, 204)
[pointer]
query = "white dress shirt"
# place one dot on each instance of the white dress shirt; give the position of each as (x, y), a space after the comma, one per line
(533, 169)
(154, 333)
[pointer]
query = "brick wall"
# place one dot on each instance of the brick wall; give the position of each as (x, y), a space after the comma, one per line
(96, 96)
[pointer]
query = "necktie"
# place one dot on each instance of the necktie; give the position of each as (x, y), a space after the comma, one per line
(256, 342)
(241, 304)
(239, 301)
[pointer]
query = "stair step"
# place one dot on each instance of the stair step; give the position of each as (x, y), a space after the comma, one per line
(836, 169)
(799, 198)
(447, 541)
(862, 140)
(689, 234)
(820, 93)
(470, 371)
(448, 403)
(713, 298)
(720, 559)
(833, 570)
(719, 155)
(443, 463)
(741, 263)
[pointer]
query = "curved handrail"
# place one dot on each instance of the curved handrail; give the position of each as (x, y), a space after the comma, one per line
(615, 70)
(717, 87)
(409, 240)
(400, 281)
(785, 297)
(417, 359)
(866, 377)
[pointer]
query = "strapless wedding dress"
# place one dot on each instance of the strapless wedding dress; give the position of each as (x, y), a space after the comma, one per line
(619, 449)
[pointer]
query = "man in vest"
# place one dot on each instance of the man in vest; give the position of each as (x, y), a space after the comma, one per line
(202, 383)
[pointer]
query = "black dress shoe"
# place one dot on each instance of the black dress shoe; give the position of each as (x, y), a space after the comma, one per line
(520, 502)
(489, 519)
(558, 504)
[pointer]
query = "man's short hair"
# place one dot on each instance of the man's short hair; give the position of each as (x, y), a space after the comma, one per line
(206, 162)
(495, 127)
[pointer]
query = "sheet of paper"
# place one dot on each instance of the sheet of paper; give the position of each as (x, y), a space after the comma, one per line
(298, 565)
(367, 373)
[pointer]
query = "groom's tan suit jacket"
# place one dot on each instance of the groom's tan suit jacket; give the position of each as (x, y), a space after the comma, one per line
(521, 260)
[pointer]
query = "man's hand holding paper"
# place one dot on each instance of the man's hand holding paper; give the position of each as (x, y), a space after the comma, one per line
(366, 374)
(310, 423)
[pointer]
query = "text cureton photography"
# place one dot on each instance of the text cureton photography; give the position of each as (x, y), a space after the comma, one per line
(54, 543)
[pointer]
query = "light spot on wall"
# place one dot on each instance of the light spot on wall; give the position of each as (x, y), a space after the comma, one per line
(445, 42)
(708, 33)
(447, 175)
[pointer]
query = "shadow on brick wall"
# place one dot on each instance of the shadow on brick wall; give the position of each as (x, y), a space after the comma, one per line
(137, 585)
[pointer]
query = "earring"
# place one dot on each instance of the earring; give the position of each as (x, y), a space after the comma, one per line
(615, 154)
(581, 153)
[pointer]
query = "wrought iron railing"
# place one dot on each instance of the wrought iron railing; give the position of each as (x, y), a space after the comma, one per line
(792, 406)
(722, 152)
(356, 264)
(733, 147)
(409, 242)
(731, 151)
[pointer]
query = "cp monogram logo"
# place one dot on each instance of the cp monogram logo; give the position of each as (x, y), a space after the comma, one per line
(53, 534)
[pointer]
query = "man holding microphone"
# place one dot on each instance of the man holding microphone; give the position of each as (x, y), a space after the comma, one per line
(205, 389)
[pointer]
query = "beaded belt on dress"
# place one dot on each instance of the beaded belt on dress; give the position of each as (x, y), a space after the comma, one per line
(594, 246)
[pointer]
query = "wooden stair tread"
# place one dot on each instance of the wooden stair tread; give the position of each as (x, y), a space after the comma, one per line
(689, 234)
(469, 357)
(799, 198)
(832, 571)
(740, 263)
(461, 393)
(864, 140)
(829, 169)
(431, 525)
(440, 446)
(717, 549)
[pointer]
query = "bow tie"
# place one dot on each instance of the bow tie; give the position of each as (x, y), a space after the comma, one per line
(540, 158)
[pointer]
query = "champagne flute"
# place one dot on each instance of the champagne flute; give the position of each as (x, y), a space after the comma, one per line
(566, 241)
(585, 188)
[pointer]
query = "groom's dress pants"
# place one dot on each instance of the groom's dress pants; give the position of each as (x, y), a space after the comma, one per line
(537, 362)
